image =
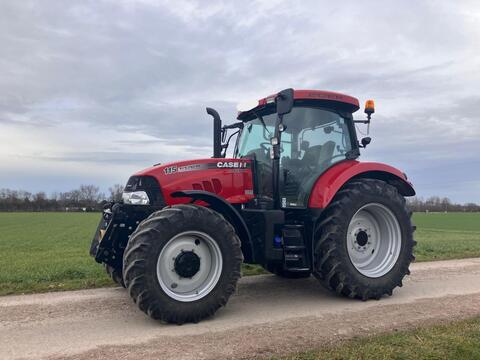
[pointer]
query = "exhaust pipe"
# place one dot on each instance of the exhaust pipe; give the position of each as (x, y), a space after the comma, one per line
(217, 132)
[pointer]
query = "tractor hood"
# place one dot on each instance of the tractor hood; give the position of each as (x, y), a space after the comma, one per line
(229, 178)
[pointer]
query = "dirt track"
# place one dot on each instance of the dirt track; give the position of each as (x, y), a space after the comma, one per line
(268, 315)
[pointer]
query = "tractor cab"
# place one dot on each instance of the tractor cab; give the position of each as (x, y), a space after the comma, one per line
(315, 132)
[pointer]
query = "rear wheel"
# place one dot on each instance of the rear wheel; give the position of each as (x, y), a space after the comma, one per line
(364, 241)
(182, 263)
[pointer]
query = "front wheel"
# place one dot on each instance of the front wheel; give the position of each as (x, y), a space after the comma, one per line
(364, 241)
(182, 263)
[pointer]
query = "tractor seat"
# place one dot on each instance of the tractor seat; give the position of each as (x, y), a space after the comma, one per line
(319, 156)
(326, 155)
(310, 158)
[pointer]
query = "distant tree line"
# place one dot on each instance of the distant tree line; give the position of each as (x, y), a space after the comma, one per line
(85, 198)
(89, 198)
(439, 204)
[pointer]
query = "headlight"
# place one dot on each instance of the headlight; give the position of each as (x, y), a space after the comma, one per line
(136, 198)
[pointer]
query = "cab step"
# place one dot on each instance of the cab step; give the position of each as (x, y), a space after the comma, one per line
(295, 257)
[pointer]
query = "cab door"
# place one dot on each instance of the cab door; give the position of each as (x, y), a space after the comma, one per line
(314, 139)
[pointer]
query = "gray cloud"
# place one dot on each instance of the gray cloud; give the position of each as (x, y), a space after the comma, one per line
(97, 157)
(131, 79)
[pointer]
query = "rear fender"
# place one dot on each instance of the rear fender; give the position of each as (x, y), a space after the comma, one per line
(227, 211)
(338, 175)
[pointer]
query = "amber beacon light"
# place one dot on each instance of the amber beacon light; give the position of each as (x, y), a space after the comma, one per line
(369, 107)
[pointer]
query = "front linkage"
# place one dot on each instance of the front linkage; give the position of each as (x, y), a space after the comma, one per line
(117, 224)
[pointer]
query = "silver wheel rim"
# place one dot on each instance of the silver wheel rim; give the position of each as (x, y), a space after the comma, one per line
(374, 240)
(204, 280)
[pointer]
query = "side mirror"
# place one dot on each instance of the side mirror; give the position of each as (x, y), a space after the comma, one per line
(284, 101)
(366, 141)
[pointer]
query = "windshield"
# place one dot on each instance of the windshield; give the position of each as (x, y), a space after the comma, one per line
(255, 138)
(307, 129)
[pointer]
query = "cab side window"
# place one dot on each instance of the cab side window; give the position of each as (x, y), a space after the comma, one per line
(317, 139)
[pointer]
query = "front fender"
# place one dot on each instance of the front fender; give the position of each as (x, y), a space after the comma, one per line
(338, 175)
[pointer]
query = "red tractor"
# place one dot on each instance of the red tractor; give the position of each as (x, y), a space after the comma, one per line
(293, 198)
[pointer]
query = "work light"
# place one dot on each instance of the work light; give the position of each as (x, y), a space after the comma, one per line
(136, 198)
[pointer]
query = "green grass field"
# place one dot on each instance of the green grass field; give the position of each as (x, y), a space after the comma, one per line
(458, 340)
(447, 236)
(49, 251)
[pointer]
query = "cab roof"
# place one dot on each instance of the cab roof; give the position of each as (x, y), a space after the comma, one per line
(306, 97)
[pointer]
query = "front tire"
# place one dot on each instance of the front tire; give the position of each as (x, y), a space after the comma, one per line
(182, 263)
(364, 241)
(115, 274)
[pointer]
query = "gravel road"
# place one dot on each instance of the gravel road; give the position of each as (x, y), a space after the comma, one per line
(267, 316)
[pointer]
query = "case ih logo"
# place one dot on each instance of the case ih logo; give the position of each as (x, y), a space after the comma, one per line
(232, 164)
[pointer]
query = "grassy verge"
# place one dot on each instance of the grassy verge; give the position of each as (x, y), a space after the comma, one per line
(49, 251)
(444, 236)
(459, 340)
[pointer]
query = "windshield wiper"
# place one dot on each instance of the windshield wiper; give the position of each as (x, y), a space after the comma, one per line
(263, 123)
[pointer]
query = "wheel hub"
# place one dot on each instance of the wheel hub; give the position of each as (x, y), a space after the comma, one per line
(362, 237)
(187, 264)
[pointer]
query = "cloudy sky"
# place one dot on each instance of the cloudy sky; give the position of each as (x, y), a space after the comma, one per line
(93, 91)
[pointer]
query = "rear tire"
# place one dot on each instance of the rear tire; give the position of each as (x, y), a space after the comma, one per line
(171, 279)
(364, 241)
